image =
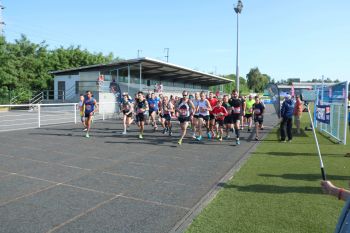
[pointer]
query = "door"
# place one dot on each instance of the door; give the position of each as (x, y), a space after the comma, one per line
(61, 89)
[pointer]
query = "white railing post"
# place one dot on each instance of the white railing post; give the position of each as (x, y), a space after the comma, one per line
(38, 115)
(103, 112)
(75, 113)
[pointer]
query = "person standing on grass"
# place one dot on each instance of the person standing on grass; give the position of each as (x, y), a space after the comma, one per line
(141, 106)
(220, 113)
(184, 108)
(287, 110)
(343, 225)
(90, 106)
(127, 112)
(258, 112)
(298, 111)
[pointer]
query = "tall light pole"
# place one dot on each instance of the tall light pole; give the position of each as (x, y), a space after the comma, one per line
(167, 54)
(238, 10)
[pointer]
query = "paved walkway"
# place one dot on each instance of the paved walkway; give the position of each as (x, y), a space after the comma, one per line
(54, 180)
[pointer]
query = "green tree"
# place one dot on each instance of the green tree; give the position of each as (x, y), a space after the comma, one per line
(257, 81)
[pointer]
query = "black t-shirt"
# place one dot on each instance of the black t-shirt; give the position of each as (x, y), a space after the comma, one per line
(236, 106)
(258, 109)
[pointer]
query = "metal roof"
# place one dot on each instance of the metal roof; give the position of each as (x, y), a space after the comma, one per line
(154, 69)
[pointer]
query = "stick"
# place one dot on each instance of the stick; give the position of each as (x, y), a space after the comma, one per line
(317, 145)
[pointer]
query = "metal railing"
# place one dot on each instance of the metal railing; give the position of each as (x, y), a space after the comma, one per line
(29, 116)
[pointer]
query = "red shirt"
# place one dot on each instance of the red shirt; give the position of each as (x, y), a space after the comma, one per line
(212, 102)
(217, 110)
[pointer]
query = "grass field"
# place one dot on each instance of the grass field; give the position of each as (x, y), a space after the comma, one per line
(278, 189)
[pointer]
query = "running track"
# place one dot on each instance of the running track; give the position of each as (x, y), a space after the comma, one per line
(53, 179)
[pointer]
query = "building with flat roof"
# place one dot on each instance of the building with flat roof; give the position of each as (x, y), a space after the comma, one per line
(141, 74)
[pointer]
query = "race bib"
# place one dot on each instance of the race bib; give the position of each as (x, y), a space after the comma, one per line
(257, 111)
(236, 110)
(202, 110)
(87, 107)
(151, 105)
(140, 110)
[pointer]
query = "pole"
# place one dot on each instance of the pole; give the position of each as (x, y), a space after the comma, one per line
(317, 145)
(346, 120)
(140, 89)
(128, 79)
(237, 69)
(39, 116)
(75, 113)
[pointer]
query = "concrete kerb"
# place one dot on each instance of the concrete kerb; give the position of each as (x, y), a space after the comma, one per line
(185, 222)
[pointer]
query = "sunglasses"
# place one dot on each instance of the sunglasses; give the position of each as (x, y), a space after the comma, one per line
(184, 95)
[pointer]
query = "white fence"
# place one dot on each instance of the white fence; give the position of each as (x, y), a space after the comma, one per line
(28, 116)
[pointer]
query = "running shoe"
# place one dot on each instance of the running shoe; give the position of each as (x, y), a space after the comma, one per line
(164, 130)
(199, 138)
(140, 136)
(220, 139)
(124, 132)
(227, 137)
(217, 136)
(209, 136)
(257, 139)
(87, 135)
(238, 142)
(85, 129)
(179, 142)
(194, 136)
(248, 129)
(170, 133)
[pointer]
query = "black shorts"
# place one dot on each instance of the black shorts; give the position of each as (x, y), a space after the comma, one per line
(235, 118)
(219, 122)
(183, 119)
(125, 113)
(196, 116)
(259, 119)
(140, 117)
(211, 117)
(248, 115)
(166, 117)
(87, 114)
(151, 111)
(228, 120)
(205, 117)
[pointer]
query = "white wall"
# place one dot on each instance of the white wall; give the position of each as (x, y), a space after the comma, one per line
(69, 83)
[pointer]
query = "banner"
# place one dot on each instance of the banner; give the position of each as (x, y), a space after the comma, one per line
(323, 114)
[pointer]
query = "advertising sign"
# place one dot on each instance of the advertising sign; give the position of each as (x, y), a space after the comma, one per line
(323, 113)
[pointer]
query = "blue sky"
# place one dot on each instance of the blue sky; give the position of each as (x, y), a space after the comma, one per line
(285, 39)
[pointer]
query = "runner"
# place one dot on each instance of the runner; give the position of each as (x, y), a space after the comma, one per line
(127, 107)
(184, 107)
(249, 111)
(90, 106)
(258, 111)
(82, 111)
(236, 104)
(203, 109)
(141, 106)
(228, 119)
(195, 119)
(167, 108)
(243, 108)
(153, 109)
(220, 113)
(212, 124)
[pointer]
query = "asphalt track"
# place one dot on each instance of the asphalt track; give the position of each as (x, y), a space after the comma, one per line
(53, 179)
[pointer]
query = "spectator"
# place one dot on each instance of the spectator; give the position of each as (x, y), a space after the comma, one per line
(298, 111)
(287, 110)
(341, 194)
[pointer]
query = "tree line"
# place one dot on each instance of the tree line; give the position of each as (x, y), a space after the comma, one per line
(25, 66)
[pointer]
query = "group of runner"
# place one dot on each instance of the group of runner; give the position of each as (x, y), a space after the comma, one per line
(216, 117)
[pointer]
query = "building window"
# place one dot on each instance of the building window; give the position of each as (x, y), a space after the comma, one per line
(76, 87)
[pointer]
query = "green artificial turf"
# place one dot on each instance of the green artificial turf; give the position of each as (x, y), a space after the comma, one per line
(278, 189)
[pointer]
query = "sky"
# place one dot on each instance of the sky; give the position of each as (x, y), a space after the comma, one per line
(284, 39)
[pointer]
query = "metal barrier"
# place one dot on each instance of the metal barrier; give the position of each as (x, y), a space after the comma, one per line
(29, 116)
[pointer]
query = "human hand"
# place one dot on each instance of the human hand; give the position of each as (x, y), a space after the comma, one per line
(328, 187)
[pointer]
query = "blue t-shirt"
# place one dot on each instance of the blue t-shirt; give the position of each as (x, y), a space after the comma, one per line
(153, 103)
(89, 105)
